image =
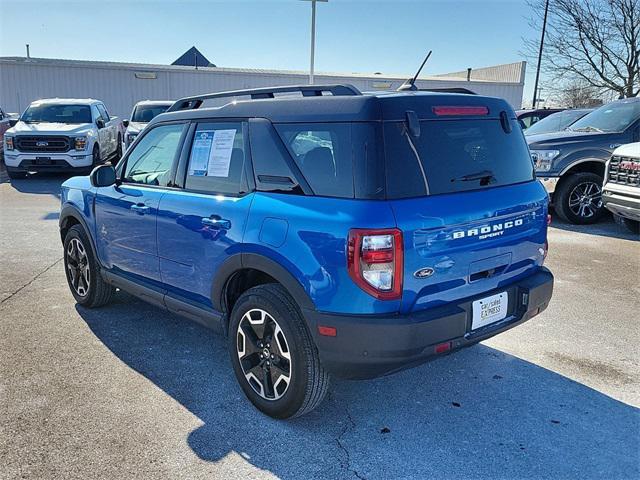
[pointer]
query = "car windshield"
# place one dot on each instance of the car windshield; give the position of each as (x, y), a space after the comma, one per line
(614, 117)
(56, 113)
(146, 113)
(555, 122)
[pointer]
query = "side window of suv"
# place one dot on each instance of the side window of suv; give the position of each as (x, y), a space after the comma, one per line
(151, 161)
(217, 161)
(324, 155)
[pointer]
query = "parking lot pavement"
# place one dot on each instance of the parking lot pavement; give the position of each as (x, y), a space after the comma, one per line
(129, 391)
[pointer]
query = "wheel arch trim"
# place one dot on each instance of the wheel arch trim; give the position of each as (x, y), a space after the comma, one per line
(241, 261)
(69, 211)
(585, 160)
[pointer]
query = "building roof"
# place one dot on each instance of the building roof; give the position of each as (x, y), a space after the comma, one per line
(255, 71)
(193, 58)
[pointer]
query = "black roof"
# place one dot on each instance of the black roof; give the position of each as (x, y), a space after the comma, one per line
(192, 58)
(348, 105)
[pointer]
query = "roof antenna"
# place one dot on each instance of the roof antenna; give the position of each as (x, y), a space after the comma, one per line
(410, 84)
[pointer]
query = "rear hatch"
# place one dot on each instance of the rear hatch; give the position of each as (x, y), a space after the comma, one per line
(462, 187)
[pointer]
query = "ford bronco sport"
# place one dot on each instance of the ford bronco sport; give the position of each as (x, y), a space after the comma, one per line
(322, 230)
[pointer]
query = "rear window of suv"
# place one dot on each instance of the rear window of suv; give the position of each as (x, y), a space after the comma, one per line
(453, 156)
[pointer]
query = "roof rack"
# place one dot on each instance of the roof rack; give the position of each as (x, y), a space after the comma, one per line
(191, 103)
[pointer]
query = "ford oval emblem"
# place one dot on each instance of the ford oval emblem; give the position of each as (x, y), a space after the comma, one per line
(42, 144)
(423, 272)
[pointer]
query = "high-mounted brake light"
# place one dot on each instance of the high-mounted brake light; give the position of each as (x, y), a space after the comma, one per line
(458, 111)
(375, 261)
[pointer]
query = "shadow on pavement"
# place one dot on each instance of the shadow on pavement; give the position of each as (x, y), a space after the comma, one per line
(40, 183)
(607, 227)
(477, 413)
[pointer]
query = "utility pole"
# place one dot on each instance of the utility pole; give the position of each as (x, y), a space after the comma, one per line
(313, 37)
(544, 28)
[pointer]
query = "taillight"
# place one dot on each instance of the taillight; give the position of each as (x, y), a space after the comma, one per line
(374, 259)
(460, 111)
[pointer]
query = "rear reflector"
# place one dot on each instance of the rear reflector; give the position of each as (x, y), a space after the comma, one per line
(327, 331)
(443, 347)
(549, 219)
(457, 111)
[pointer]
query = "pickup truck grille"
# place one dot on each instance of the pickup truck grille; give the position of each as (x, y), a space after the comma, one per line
(624, 170)
(43, 143)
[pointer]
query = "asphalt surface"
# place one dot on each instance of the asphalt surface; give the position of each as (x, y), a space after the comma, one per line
(129, 391)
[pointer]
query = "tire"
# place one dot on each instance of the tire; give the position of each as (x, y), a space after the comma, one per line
(277, 386)
(16, 175)
(96, 156)
(82, 270)
(632, 225)
(578, 199)
(118, 152)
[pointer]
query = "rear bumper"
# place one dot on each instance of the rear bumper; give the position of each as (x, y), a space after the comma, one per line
(370, 346)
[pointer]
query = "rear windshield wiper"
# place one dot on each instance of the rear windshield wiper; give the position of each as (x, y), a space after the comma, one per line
(485, 177)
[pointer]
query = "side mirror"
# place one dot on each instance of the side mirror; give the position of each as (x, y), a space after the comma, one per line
(103, 176)
(100, 123)
(13, 122)
(125, 122)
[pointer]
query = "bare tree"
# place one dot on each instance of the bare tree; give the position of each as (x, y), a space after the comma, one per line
(594, 42)
(579, 95)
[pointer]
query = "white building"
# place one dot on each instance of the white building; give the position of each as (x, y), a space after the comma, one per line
(121, 85)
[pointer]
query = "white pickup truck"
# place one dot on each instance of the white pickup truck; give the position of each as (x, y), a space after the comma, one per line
(62, 135)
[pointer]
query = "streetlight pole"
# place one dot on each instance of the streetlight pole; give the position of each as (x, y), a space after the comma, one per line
(544, 28)
(313, 37)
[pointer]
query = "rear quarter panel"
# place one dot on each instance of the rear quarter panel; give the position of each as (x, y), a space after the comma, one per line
(308, 237)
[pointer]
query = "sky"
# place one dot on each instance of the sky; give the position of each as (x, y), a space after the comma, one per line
(388, 36)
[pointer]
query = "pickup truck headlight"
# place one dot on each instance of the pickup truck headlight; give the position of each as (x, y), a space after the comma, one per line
(542, 159)
(81, 143)
(8, 143)
(131, 137)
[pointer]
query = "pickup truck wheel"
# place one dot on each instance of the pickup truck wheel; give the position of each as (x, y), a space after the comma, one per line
(273, 355)
(96, 155)
(578, 199)
(632, 225)
(82, 270)
(118, 154)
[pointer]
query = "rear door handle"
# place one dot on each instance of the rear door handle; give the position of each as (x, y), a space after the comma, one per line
(216, 222)
(140, 208)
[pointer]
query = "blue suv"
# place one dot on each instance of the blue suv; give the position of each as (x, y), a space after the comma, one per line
(322, 230)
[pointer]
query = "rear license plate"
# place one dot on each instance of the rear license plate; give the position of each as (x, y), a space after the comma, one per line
(490, 309)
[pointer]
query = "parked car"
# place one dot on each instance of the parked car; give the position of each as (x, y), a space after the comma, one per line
(143, 112)
(621, 191)
(5, 123)
(529, 117)
(324, 234)
(62, 135)
(556, 122)
(571, 163)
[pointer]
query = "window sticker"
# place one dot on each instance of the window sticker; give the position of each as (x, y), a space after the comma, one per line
(200, 153)
(211, 153)
(220, 155)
